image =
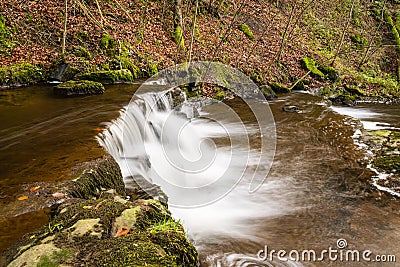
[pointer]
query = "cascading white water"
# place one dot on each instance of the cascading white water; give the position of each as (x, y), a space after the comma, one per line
(196, 162)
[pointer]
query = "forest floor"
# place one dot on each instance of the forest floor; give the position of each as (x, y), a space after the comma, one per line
(267, 41)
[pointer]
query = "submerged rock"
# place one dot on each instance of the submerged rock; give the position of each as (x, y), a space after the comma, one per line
(293, 109)
(79, 88)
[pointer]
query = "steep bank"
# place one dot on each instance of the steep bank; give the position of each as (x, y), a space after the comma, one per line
(265, 39)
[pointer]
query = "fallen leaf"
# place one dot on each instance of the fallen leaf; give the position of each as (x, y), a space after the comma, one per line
(87, 207)
(33, 189)
(122, 232)
(23, 198)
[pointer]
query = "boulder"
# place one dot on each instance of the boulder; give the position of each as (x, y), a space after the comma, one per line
(79, 88)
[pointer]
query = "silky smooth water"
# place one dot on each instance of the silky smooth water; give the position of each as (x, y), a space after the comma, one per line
(311, 198)
(313, 194)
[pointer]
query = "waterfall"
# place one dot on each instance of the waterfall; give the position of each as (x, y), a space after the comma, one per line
(157, 141)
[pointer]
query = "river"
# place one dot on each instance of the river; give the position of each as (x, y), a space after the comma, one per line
(313, 195)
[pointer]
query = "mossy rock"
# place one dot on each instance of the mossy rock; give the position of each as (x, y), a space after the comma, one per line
(108, 44)
(21, 74)
(267, 91)
(127, 63)
(63, 72)
(330, 73)
(152, 238)
(278, 87)
(354, 90)
(79, 88)
(320, 71)
(95, 177)
(108, 76)
(388, 164)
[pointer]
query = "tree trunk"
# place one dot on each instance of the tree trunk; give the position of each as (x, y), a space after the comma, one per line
(177, 13)
(65, 27)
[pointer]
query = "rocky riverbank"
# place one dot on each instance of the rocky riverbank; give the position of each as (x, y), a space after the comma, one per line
(94, 220)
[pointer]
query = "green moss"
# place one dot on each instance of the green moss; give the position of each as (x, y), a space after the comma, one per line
(388, 164)
(128, 64)
(107, 77)
(6, 42)
(82, 52)
(354, 90)
(79, 88)
(330, 73)
(278, 87)
(21, 74)
(246, 30)
(153, 69)
(358, 39)
(220, 96)
(108, 45)
(310, 65)
(55, 259)
(178, 37)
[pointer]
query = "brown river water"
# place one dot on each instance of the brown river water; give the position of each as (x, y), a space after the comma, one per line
(313, 196)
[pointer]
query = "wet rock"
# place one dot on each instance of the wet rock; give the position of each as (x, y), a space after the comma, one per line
(293, 109)
(267, 91)
(64, 72)
(79, 88)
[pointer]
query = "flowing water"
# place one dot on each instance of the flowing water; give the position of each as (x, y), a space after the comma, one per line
(41, 138)
(312, 196)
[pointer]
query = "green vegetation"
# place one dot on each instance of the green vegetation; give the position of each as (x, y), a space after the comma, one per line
(168, 224)
(178, 37)
(389, 164)
(278, 87)
(246, 30)
(79, 88)
(127, 63)
(108, 45)
(82, 52)
(21, 74)
(6, 43)
(310, 65)
(55, 259)
(220, 96)
(107, 76)
(153, 69)
(358, 39)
